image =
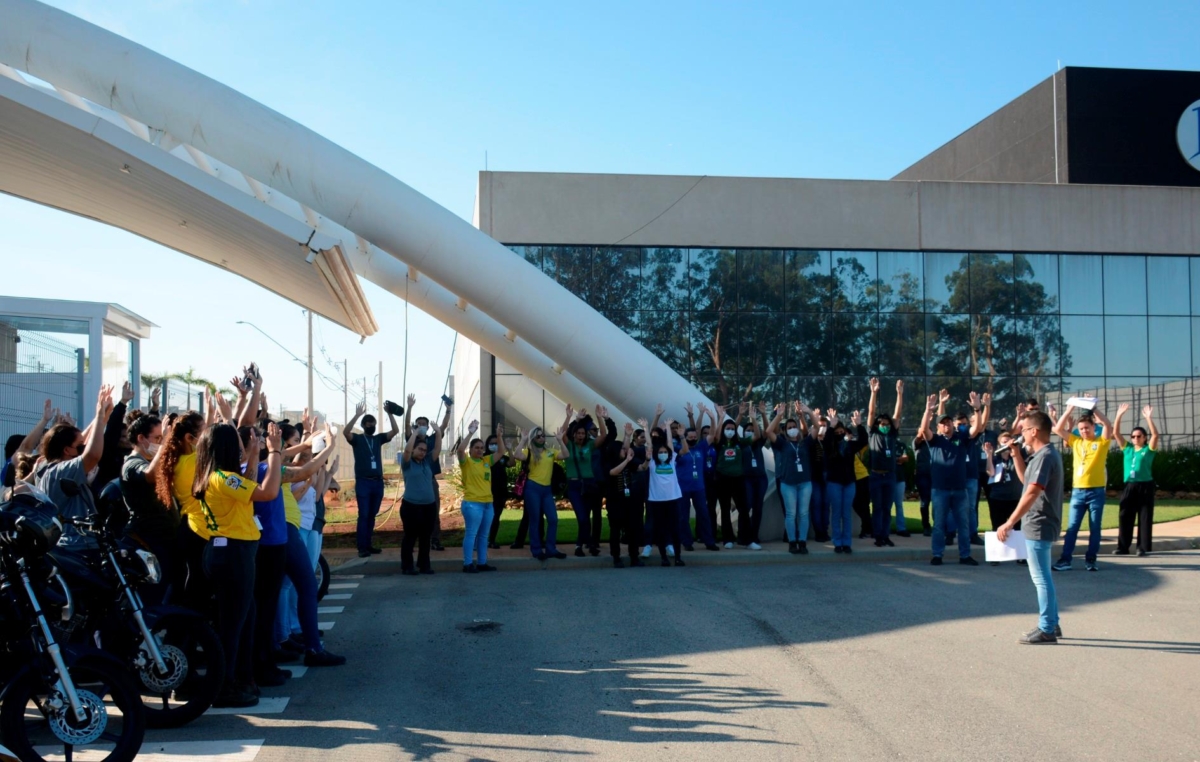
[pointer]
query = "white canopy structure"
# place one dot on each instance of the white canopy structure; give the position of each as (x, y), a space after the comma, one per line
(97, 125)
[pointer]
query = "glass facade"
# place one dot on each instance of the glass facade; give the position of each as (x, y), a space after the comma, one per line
(815, 325)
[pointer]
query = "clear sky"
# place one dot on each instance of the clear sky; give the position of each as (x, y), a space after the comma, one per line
(423, 90)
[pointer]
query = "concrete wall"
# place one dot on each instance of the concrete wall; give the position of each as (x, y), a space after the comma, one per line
(1013, 145)
(660, 210)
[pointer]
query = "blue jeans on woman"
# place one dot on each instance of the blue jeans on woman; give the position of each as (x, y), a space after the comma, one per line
(1039, 572)
(756, 495)
(901, 488)
(477, 519)
(796, 498)
(841, 508)
(698, 500)
(1091, 502)
(818, 510)
(883, 494)
(302, 577)
(539, 502)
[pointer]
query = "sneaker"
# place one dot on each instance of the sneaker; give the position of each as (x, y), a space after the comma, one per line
(754, 546)
(803, 548)
(470, 569)
(271, 677)
(1062, 565)
(646, 551)
(712, 546)
(679, 562)
(323, 658)
(729, 546)
(578, 552)
(364, 554)
(793, 547)
(618, 563)
(236, 698)
(557, 554)
(671, 551)
(1091, 566)
(968, 561)
(485, 568)
(935, 561)
(1036, 637)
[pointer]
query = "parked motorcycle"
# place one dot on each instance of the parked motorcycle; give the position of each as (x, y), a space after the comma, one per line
(58, 699)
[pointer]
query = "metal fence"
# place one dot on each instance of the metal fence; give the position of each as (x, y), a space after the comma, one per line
(35, 367)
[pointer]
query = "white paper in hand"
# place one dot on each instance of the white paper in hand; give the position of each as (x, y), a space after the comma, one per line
(1012, 550)
(1083, 403)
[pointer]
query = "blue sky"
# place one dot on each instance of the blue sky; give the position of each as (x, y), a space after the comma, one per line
(423, 90)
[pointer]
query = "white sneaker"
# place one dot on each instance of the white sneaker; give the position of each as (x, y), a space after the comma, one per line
(729, 546)
(670, 551)
(646, 552)
(754, 546)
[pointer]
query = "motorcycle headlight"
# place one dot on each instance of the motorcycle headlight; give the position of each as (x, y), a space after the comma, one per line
(153, 568)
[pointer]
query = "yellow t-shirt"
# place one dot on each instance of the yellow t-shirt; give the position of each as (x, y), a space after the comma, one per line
(230, 508)
(1091, 461)
(291, 509)
(477, 479)
(181, 486)
(860, 468)
(541, 472)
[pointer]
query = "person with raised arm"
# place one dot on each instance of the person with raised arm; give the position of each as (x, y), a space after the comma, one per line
(755, 466)
(619, 459)
(500, 485)
(539, 492)
(1137, 501)
(432, 435)
(68, 457)
(842, 446)
(664, 496)
(948, 469)
(976, 424)
(731, 479)
(1090, 460)
(368, 473)
(793, 469)
(418, 507)
(17, 444)
(690, 468)
(476, 468)
(583, 489)
(884, 451)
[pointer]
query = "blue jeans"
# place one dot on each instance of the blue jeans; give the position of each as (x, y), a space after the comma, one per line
(883, 494)
(1090, 501)
(841, 508)
(756, 495)
(301, 578)
(585, 501)
(695, 499)
(818, 509)
(477, 518)
(950, 502)
(901, 487)
(796, 498)
(973, 504)
(312, 544)
(539, 501)
(1039, 572)
(369, 494)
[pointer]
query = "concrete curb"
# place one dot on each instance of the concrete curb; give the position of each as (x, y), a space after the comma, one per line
(776, 553)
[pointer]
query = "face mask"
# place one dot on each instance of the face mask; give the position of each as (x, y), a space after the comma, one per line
(692, 442)
(368, 430)
(492, 447)
(964, 428)
(730, 433)
(423, 431)
(663, 457)
(884, 428)
(153, 449)
(821, 431)
(793, 432)
(741, 432)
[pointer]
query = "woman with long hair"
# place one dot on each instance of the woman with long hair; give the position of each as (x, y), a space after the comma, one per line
(499, 485)
(153, 525)
(226, 519)
(539, 492)
(841, 445)
(68, 456)
(665, 496)
(173, 487)
(476, 468)
(794, 470)
(730, 478)
(418, 507)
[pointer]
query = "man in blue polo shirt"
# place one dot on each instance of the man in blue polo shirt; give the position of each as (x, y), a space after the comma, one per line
(949, 451)
(689, 469)
(368, 473)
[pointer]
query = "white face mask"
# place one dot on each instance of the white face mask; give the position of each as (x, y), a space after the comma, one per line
(152, 449)
(729, 433)
(821, 431)
(793, 432)
(492, 447)
(741, 432)
(663, 457)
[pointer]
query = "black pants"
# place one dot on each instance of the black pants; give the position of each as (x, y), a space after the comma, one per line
(622, 521)
(418, 520)
(1000, 510)
(269, 562)
(666, 525)
(497, 506)
(194, 591)
(732, 489)
(230, 569)
(862, 504)
(925, 491)
(1137, 504)
(710, 494)
(435, 528)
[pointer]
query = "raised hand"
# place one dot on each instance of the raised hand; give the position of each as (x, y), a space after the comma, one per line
(601, 414)
(1053, 411)
(856, 417)
(412, 400)
(570, 410)
(667, 425)
(155, 395)
(973, 399)
(47, 411)
(659, 410)
(237, 383)
(987, 399)
(1123, 408)
(988, 448)
(831, 413)
(472, 427)
(1147, 411)
(306, 421)
(360, 409)
(628, 430)
(899, 386)
(874, 385)
(780, 408)
(762, 406)
(126, 392)
(644, 424)
(720, 414)
(274, 437)
(931, 402)
(944, 395)
(499, 430)
(687, 408)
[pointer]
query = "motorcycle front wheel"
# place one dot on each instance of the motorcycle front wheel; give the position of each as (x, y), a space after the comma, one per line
(196, 670)
(37, 723)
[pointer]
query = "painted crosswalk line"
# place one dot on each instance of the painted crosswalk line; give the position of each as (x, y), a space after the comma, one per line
(338, 597)
(346, 576)
(297, 670)
(172, 751)
(330, 609)
(326, 626)
(272, 705)
(344, 585)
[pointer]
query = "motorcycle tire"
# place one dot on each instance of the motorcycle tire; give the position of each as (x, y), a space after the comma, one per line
(322, 577)
(201, 646)
(28, 733)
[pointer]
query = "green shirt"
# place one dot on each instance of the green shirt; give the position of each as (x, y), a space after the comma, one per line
(730, 456)
(1138, 463)
(578, 462)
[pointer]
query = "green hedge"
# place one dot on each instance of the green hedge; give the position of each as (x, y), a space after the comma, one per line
(1176, 470)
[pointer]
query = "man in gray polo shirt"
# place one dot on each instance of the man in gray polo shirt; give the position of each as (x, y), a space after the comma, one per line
(1040, 514)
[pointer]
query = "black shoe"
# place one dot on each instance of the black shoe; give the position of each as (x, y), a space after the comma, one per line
(976, 540)
(286, 653)
(689, 547)
(294, 642)
(517, 546)
(927, 533)
(994, 563)
(618, 563)
(968, 561)
(493, 546)
(803, 548)
(542, 556)
(1120, 552)
(879, 543)
(846, 549)
(272, 677)
(559, 555)
(236, 698)
(793, 548)
(712, 546)
(905, 533)
(594, 550)
(427, 571)
(1022, 562)
(837, 548)
(1036, 637)
(485, 568)
(409, 572)
(579, 552)
(863, 535)
(436, 546)
(679, 561)
(666, 561)
(470, 569)
(1142, 554)
(376, 551)
(888, 542)
(635, 562)
(1058, 631)
(935, 561)
(364, 554)
(323, 658)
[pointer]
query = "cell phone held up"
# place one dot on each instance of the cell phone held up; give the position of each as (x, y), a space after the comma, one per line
(392, 408)
(447, 401)
(252, 375)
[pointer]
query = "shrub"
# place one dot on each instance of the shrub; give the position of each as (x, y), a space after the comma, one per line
(1175, 470)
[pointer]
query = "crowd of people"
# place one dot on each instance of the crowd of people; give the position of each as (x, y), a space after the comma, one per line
(229, 500)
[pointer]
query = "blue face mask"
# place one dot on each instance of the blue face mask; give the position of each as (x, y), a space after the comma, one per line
(964, 428)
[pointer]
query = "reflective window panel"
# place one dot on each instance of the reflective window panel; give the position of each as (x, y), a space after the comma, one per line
(1124, 285)
(901, 275)
(1169, 291)
(1035, 284)
(854, 274)
(1081, 284)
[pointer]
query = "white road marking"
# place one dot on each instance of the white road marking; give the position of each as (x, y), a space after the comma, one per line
(297, 670)
(265, 706)
(330, 609)
(172, 751)
(346, 576)
(338, 597)
(326, 626)
(343, 585)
